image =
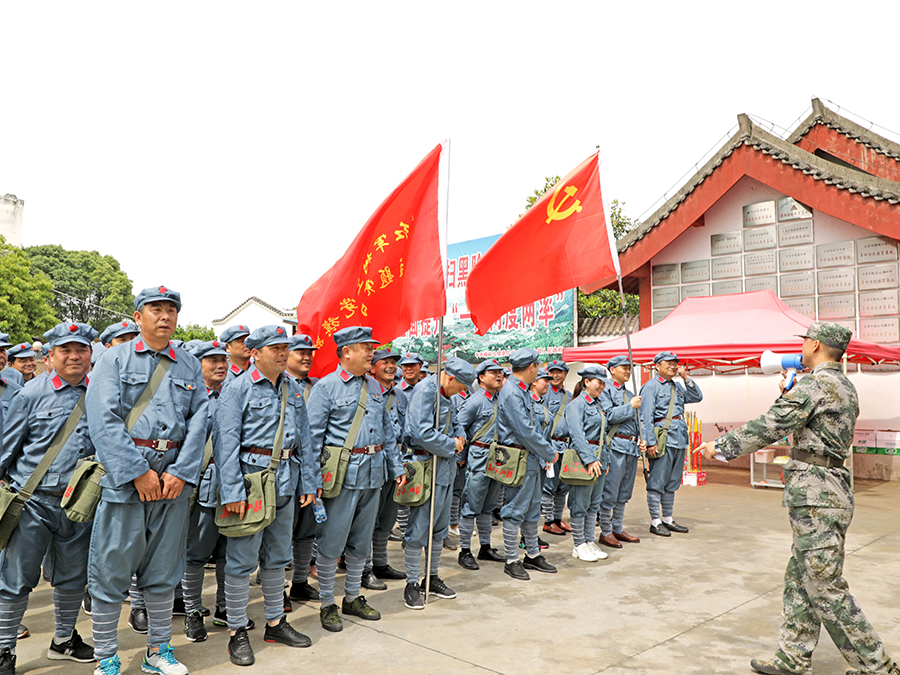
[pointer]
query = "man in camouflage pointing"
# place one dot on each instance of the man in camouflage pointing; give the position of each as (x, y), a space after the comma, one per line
(821, 411)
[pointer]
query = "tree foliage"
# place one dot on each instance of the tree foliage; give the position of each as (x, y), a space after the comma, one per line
(194, 331)
(88, 287)
(25, 296)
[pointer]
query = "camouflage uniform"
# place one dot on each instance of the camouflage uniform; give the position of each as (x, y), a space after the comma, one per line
(821, 411)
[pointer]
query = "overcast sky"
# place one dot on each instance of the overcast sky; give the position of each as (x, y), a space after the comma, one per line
(234, 149)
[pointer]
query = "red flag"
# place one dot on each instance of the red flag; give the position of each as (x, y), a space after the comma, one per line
(563, 241)
(390, 276)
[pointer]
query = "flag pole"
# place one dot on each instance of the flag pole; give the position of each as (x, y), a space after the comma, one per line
(440, 359)
(640, 428)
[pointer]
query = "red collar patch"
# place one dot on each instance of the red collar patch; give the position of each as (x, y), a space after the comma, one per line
(139, 346)
(57, 382)
(234, 369)
(464, 394)
(554, 388)
(662, 380)
(535, 396)
(343, 374)
(255, 374)
(489, 395)
(587, 397)
(523, 386)
(618, 386)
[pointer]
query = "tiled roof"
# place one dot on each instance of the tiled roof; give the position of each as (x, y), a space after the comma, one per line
(822, 115)
(606, 327)
(284, 313)
(749, 134)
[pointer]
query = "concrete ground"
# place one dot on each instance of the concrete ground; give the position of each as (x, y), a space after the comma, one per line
(704, 602)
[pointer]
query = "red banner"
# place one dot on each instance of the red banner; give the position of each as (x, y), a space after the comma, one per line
(390, 275)
(563, 241)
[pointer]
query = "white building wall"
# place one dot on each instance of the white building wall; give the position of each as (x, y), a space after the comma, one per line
(11, 210)
(252, 316)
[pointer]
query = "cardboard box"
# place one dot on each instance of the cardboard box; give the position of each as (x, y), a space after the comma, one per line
(693, 478)
(864, 442)
(887, 442)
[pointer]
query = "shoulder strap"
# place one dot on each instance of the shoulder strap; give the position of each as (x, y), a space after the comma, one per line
(487, 425)
(602, 428)
(306, 389)
(59, 440)
(447, 425)
(279, 434)
(144, 399)
(390, 399)
(559, 413)
(358, 417)
(546, 415)
(673, 394)
(625, 399)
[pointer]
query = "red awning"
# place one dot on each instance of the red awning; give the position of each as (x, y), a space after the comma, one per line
(725, 330)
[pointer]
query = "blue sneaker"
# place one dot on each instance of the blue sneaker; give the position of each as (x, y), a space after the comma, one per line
(110, 666)
(163, 662)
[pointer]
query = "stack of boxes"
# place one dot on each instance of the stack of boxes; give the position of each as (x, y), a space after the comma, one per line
(871, 442)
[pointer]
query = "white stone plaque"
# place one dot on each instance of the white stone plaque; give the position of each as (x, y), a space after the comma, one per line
(756, 264)
(841, 280)
(660, 315)
(875, 249)
(761, 284)
(790, 209)
(727, 287)
(884, 329)
(838, 254)
(879, 303)
(726, 267)
(796, 259)
(795, 234)
(832, 307)
(725, 243)
(666, 297)
(759, 238)
(695, 291)
(694, 271)
(761, 213)
(665, 275)
(804, 306)
(872, 277)
(795, 285)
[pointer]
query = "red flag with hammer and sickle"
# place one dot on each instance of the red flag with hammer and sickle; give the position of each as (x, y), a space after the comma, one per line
(564, 240)
(389, 277)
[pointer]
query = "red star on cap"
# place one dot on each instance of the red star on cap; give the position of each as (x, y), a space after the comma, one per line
(215, 343)
(242, 328)
(73, 328)
(163, 289)
(23, 346)
(124, 324)
(279, 330)
(409, 356)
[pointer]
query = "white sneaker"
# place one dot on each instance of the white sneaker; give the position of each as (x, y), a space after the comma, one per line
(599, 552)
(584, 552)
(164, 662)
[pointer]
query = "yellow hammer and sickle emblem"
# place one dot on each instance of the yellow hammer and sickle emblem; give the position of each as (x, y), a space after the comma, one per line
(553, 211)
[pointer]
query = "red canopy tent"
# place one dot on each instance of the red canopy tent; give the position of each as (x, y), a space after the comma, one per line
(724, 332)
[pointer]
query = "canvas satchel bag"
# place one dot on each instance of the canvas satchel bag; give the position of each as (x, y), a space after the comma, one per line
(417, 489)
(334, 459)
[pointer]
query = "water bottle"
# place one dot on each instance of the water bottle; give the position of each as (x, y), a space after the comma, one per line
(319, 512)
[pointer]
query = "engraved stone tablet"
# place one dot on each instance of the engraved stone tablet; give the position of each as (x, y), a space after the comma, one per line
(726, 267)
(759, 263)
(725, 243)
(885, 329)
(875, 249)
(804, 306)
(761, 284)
(695, 291)
(796, 259)
(660, 315)
(790, 209)
(795, 234)
(841, 280)
(794, 285)
(692, 272)
(758, 238)
(727, 287)
(878, 303)
(761, 213)
(665, 275)
(832, 307)
(837, 254)
(877, 276)
(666, 297)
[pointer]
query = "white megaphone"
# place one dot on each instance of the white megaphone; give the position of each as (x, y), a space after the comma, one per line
(772, 363)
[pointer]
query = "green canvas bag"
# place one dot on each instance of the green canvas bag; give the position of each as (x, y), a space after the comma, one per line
(662, 433)
(260, 489)
(419, 475)
(506, 464)
(334, 459)
(573, 471)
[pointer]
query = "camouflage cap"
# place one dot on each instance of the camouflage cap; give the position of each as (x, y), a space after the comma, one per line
(831, 334)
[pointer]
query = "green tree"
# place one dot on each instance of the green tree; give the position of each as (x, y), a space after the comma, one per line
(194, 331)
(87, 287)
(25, 296)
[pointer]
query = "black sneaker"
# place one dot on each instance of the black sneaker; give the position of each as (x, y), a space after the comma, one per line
(178, 607)
(516, 570)
(288, 607)
(328, 617)
(538, 563)
(303, 591)
(387, 572)
(286, 635)
(220, 618)
(73, 649)
(239, 649)
(86, 603)
(360, 608)
(467, 560)
(373, 583)
(543, 544)
(194, 630)
(439, 588)
(137, 619)
(412, 598)
(204, 611)
(487, 552)
(22, 632)
(7, 662)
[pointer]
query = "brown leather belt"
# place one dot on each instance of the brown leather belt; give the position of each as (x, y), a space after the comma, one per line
(253, 450)
(818, 460)
(594, 442)
(158, 444)
(633, 439)
(420, 453)
(479, 444)
(367, 450)
(513, 445)
(564, 439)
(674, 417)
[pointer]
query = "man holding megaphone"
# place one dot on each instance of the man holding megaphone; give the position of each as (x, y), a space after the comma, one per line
(821, 411)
